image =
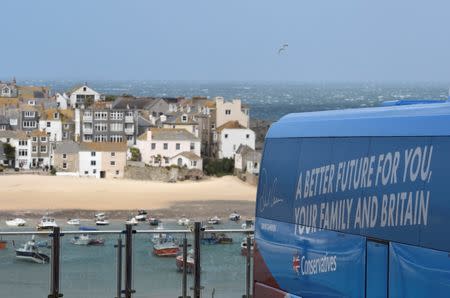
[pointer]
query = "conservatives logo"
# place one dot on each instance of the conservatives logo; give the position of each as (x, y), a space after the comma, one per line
(304, 266)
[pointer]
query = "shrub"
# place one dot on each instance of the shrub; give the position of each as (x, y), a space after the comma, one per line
(135, 154)
(219, 167)
(53, 171)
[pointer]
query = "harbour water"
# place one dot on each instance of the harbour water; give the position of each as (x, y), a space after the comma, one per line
(90, 271)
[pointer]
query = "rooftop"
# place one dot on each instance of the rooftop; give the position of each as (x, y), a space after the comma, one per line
(168, 134)
(230, 125)
(103, 146)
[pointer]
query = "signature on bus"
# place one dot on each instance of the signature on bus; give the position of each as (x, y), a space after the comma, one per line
(269, 196)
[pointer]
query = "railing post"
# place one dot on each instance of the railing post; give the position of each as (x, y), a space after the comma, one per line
(119, 247)
(248, 266)
(185, 246)
(55, 262)
(197, 267)
(128, 261)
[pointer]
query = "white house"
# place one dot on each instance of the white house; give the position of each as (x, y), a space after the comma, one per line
(230, 136)
(247, 160)
(62, 100)
(82, 95)
(234, 110)
(163, 146)
(22, 144)
(102, 159)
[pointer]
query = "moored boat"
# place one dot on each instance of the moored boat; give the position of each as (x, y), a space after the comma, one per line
(153, 221)
(190, 263)
(73, 222)
(234, 216)
(86, 228)
(85, 239)
(132, 221)
(248, 224)
(30, 252)
(102, 222)
(16, 222)
(46, 223)
(214, 220)
(184, 221)
(166, 249)
(141, 216)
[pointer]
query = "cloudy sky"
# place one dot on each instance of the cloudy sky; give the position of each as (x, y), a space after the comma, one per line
(329, 40)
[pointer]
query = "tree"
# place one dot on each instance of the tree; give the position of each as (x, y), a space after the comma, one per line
(135, 154)
(10, 153)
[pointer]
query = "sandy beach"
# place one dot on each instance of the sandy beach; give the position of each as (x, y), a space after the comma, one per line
(33, 192)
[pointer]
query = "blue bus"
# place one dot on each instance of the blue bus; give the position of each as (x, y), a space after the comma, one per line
(355, 203)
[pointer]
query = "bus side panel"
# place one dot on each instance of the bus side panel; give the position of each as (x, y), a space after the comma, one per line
(418, 272)
(278, 174)
(434, 233)
(318, 264)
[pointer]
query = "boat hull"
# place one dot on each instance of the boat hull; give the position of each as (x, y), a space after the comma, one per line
(32, 257)
(166, 252)
(189, 264)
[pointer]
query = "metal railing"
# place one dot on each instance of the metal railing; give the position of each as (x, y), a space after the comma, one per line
(127, 291)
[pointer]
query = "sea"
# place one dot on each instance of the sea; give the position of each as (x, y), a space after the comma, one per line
(270, 100)
(91, 271)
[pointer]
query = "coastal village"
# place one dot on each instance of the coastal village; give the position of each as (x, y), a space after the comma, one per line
(83, 133)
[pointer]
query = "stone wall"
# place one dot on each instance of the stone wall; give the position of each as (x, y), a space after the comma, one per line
(172, 174)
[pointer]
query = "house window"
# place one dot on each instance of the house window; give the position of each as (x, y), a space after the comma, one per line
(194, 163)
(226, 136)
(29, 124)
(166, 160)
(94, 171)
(23, 152)
(86, 172)
(113, 154)
(43, 149)
(49, 124)
(23, 143)
(92, 153)
(84, 88)
(116, 115)
(101, 115)
(116, 126)
(184, 118)
(56, 115)
(101, 126)
(93, 163)
(177, 146)
(43, 139)
(66, 126)
(247, 136)
(64, 165)
(29, 114)
(113, 163)
(227, 112)
(166, 146)
(116, 138)
(234, 147)
(117, 172)
(213, 126)
(34, 149)
(192, 146)
(64, 155)
(153, 146)
(65, 135)
(34, 139)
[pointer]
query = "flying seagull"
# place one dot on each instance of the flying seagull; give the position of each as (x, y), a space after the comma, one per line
(283, 48)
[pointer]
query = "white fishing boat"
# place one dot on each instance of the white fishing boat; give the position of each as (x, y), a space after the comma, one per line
(248, 224)
(46, 223)
(73, 222)
(85, 239)
(141, 216)
(16, 222)
(234, 216)
(184, 221)
(132, 221)
(100, 215)
(30, 252)
(102, 222)
(214, 220)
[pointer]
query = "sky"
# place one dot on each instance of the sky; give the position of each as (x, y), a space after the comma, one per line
(232, 40)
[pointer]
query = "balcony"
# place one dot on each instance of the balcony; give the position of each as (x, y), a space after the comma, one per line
(129, 119)
(129, 131)
(87, 118)
(87, 130)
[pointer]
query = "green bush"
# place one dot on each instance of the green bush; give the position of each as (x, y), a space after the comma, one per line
(218, 167)
(135, 154)
(53, 171)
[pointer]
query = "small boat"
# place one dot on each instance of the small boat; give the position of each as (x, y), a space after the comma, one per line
(86, 228)
(214, 220)
(208, 237)
(102, 222)
(244, 245)
(184, 221)
(234, 216)
(30, 252)
(142, 215)
(3, 244)
(100, 215)
(224, 239)
(43, 243)
(73, 222)
(16, 222)
(153, 221)
(132, 221)
(85, 239)
(166, 249)
(46, 223)
(190, 263)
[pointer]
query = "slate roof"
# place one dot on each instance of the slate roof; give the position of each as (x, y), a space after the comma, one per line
(169, 134)
(103, 146)
(68, 147)
(230, 125)
(188, 154)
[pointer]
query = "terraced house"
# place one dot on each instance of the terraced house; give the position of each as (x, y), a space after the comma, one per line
(102, 160)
